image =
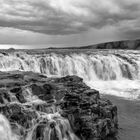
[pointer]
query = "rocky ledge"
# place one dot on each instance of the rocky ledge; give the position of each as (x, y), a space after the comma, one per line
(28, 98)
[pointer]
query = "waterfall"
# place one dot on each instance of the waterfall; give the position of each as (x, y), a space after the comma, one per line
(115, 72)
(49, 127)
(5, 130)
(90, 66)
(52, 127)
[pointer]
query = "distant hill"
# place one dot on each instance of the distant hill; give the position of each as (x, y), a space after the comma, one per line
(126, 44)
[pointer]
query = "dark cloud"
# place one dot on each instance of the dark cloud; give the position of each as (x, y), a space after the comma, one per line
(38, 17)
(60, 17)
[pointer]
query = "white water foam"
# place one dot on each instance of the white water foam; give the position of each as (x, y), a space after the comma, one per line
(112, 72)
(61, 127)
(129, 89)
(5, 130)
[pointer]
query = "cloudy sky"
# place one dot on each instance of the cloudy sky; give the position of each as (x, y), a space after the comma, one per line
(68, 22)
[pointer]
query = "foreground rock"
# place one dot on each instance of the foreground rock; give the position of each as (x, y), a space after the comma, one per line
(45, 107)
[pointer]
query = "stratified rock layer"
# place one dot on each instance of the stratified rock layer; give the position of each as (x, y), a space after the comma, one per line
(25, 96)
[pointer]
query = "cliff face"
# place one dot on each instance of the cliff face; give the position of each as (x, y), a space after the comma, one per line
(41, 108)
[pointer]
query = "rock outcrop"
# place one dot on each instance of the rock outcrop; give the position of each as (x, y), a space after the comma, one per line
(39, 107)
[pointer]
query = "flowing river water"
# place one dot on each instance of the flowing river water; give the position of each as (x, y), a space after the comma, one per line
(115, 73)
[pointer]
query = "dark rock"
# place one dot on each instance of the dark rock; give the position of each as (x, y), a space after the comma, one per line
(4, 96)
(42, 91)
(70, 79)
(20, 97)
(90, 116)
(17, 113)
(18, 93)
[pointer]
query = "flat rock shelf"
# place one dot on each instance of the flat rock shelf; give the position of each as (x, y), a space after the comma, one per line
(43, 108)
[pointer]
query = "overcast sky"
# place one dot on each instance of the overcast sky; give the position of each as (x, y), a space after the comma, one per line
(68, 22)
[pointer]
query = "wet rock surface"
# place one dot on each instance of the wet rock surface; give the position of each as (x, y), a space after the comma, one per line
(26, 96)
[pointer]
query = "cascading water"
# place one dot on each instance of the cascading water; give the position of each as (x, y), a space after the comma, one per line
(52, 127)
(5, 130)
(111, 72)
(112, 66)
(49, 127)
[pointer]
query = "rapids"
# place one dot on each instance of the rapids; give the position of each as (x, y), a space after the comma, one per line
(115, 72)
(50, 127)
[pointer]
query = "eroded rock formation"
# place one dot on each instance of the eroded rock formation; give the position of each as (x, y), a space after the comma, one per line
(41, 108)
